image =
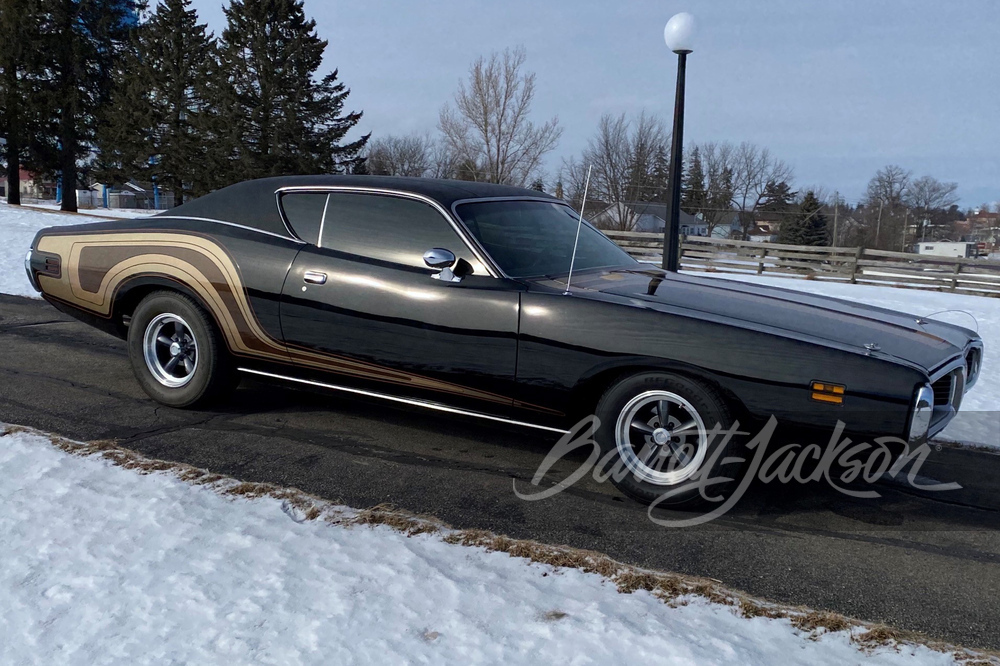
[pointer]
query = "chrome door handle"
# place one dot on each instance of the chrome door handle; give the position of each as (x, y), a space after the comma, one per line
(314, 277)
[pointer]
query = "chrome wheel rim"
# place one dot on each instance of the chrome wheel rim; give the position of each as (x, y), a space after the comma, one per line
(170, 350)
(661, 438)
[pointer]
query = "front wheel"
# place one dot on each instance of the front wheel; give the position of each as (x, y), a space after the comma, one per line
(177, 353)
(658, 432)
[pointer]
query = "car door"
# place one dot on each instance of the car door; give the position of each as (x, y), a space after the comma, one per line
(360, 303)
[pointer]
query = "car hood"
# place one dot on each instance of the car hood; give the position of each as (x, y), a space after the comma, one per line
(864, 328)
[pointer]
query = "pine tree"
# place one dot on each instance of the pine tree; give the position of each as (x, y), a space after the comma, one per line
(157, 124)
(19, 68)
(82, 41)
(282, 119)
(809, 227)
(777, 197)
(694, 197)
(814, 227)
(659, 177)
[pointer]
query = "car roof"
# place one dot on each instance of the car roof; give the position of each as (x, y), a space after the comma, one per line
(252, 203)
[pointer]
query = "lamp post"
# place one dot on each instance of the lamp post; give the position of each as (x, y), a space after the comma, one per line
(678, 35)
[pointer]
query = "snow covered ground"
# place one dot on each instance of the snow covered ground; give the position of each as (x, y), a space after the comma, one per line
(101, 212)
(104, 565)
(18, 225)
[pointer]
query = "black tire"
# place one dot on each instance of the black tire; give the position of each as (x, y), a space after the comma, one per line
(683, 464)
(200, 346)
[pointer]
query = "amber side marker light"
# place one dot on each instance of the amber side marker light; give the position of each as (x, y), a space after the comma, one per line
(831, 393)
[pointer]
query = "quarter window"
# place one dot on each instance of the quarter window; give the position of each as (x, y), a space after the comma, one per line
(304, 212)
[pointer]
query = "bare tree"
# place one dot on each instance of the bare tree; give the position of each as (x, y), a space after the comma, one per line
(888, 186)
(886, 215)
(490, 127)
(443, 162)
(753, 168)
(573, 176)
(629, 165)
(717, 163)
(400, 156)
(929, 197)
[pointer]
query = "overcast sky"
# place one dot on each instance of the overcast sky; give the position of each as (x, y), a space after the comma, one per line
(837, 88)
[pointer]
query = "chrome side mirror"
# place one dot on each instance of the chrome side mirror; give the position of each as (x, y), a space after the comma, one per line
(439, 257)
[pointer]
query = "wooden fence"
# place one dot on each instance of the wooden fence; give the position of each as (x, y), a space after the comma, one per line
(843, 264)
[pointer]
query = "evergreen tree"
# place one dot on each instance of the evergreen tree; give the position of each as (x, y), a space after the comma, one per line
(809, 227)
(815, 229)
(777, 197)
(694, 197)
(20, 67)
(82, 41)
(659, 177)
(281, 119)
(157, 125)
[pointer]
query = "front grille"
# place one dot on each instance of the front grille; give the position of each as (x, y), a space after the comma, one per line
(942, 391)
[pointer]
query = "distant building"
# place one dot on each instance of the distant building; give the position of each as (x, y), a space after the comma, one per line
(762, 234)
(652, 217)
(33, 186)
(959, 249)
(134, 194)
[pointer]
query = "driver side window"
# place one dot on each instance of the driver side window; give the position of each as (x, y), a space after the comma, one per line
(374, 226)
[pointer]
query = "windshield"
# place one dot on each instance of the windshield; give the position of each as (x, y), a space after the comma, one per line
(534, 238)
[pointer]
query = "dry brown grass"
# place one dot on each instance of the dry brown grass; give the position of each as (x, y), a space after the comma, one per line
(878, 635)
(402, 521)
(817, 621)
(674, 589)
(750, 608)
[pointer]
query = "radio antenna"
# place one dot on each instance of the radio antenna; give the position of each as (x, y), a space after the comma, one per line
(579, 224)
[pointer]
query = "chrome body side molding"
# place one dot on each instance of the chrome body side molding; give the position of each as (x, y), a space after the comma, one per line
(426, 404)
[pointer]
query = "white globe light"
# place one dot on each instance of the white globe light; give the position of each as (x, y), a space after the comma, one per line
(679, 33)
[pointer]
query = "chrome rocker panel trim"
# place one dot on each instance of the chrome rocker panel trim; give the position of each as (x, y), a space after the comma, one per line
(426, 404)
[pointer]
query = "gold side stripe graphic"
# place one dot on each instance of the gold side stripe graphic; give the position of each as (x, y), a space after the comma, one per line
(157, 253)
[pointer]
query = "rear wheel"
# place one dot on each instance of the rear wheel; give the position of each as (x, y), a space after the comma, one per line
(177, 353)
(655, 430)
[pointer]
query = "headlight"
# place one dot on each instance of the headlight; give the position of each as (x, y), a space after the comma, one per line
(973, 364)
(31, 274)
(923, 409)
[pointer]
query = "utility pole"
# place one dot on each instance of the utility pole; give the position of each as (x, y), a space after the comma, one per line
(836, 211)
(878, 224)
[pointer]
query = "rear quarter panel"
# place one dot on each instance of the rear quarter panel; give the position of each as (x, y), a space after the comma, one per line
(236, 273)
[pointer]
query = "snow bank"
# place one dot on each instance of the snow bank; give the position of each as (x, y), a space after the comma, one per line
(18, 226)
(102, 565)
(102, 212)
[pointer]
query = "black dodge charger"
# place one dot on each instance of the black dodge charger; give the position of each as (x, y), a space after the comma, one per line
(454, 296)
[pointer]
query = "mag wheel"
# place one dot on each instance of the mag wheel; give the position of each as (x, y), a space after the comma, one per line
(656, 430)
(177, 353)
(170, 350)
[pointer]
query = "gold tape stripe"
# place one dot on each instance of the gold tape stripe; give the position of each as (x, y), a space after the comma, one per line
(260, 344)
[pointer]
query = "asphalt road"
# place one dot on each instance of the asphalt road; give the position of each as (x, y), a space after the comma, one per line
(924, 563)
